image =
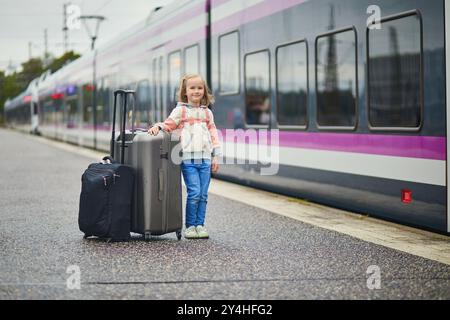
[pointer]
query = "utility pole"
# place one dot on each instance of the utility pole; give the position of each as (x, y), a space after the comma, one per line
(46, 55)
(93, 34)
(29, 50)
(10, 69)
(65, 28)
(45, 43)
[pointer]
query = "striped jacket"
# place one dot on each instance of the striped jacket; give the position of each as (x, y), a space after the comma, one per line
(198, 133)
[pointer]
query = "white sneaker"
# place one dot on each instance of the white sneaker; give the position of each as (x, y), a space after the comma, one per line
(190, 233)
(202, 233)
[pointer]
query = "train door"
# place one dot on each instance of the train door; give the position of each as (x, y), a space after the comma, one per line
(158, 85)
(447, 59)
(72, 118)
(153, 86)
(34, 109)
(59, 109)
(34, 117)
(161, 82)
(174, 75)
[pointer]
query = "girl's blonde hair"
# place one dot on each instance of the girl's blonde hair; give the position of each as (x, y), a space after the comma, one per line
(207, 99)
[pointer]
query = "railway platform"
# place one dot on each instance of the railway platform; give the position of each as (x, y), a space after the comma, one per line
(263, 246)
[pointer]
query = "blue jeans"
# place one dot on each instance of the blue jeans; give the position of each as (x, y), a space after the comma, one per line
(197, 175)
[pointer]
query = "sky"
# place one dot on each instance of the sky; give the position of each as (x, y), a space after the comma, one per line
(22, 22)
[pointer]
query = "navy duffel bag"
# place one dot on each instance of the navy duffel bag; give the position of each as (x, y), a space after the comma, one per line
(106, 200)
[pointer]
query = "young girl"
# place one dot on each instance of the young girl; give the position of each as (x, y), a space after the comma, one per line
(200, 146)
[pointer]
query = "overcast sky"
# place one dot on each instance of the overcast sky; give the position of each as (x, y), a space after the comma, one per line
(24, 21)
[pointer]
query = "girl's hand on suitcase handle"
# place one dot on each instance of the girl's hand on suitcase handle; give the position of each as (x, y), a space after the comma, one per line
(154, 130)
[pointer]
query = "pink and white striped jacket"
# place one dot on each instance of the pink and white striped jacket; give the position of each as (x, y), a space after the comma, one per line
(198, 133)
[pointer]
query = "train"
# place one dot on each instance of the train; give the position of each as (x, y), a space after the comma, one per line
(350, 96)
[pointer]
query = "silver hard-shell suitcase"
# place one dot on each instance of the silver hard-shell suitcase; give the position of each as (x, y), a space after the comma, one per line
(158, 198)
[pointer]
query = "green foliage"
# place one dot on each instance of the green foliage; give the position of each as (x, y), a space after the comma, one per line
(60, 62)
(31, 69)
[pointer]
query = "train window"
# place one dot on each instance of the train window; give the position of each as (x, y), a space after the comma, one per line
(336, 79)
(257, 88)
(102, 102)
(229, 63)
(395, 73)
(72, 112)
(292, 84)
(58, 109)
(48, 111)
(87, 104)
(143, 113)
(158, 89)
(191, 60)
(107, 94)
(174, 77)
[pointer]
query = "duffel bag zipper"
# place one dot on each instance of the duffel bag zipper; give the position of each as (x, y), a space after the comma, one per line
(104, 177)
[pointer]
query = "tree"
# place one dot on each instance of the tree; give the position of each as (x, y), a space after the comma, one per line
(60, 62)
(9, 88)
(2, 99)
(31, 69)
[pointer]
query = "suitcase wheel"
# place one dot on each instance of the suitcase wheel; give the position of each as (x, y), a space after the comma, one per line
(178, 232)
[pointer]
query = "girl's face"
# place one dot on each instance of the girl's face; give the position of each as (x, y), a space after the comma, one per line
(195, 90)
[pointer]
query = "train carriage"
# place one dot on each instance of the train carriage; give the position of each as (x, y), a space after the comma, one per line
(349, 97)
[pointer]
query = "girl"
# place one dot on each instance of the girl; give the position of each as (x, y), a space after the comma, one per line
(200, 146)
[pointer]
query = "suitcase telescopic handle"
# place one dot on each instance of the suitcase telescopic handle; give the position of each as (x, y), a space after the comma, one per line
(123, 91)
(124, 94)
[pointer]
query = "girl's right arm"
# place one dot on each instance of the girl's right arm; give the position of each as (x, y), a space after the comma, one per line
(170, 124)
(154, 130)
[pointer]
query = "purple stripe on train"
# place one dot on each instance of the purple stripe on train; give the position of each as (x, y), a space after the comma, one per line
(424, 147)
(244, 16)
(250, 14)
(162, 27)
(216, 3)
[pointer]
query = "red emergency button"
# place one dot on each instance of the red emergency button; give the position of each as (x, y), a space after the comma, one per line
(406, 196)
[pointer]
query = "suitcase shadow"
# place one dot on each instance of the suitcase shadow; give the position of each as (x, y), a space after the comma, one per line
(136, 237)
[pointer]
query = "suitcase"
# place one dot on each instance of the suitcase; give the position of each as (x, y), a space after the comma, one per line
(106, 198)
(157, 208)
(158, 198)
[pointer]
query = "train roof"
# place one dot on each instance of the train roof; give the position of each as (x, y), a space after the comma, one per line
(16, 101)
(47, 81)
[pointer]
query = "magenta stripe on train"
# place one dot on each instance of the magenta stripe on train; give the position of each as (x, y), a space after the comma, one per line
(425, 147)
